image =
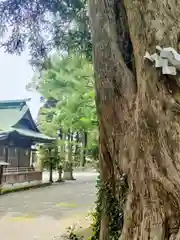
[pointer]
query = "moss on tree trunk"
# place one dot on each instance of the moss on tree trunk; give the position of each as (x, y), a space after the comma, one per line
(139, 129)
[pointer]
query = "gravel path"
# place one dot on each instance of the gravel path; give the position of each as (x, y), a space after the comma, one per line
(45, 213)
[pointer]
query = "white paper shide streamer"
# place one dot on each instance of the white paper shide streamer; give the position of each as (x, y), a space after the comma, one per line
(168, 59)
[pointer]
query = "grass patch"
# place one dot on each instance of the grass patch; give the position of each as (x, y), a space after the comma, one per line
(65, 204)
(23, 218)
(24, 188)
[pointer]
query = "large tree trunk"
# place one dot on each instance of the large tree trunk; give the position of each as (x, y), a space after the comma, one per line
(84, 148)
(77, 152)
(139, 129)
(60, 170)
(51, 171)
(61, 155)
(68, 165)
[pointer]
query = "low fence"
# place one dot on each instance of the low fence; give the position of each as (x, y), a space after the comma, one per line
(17, 169)
(21, 176)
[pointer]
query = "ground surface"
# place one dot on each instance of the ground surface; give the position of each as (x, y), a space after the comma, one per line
(45, 213)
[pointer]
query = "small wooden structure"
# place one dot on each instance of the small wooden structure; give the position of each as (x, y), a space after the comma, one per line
(2, 164)
(18, 133)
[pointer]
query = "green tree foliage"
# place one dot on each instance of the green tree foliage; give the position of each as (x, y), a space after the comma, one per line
(69, 82)
(45, 122)
(49, 152)
(43, 25)
(49, 157)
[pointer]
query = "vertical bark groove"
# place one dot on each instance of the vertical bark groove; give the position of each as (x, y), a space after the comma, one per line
(135, 107)
(114, 85)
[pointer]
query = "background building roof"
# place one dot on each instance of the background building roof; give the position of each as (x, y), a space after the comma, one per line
(15, 118)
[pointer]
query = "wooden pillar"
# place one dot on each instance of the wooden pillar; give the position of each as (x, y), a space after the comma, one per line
(1, 177)
(1, 173)
(6, 154)
(51, 172)
(18, 157)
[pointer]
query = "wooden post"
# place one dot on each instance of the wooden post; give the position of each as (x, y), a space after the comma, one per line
(18, 158)
(2, 164)
(6, 154)
(1, 176)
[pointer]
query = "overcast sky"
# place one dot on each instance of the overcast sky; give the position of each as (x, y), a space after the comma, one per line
(15, 73)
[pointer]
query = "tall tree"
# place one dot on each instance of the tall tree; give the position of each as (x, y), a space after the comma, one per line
(139, 128)
(48, 157)
(137, 106)
(69, 82)
(43, 25)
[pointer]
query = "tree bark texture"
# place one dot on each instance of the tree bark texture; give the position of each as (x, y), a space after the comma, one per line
(68, 164)
(84, 148)
(51, 171)
(77, 152)
(60, 170)
(138, 112)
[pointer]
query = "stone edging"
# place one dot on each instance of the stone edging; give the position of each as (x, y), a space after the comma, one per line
(24, 188)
